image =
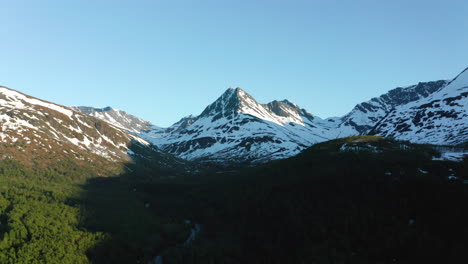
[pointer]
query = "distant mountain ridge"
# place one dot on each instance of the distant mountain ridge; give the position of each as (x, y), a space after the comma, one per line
(440, 118)
(116, 117)
(365, 115)
(236, 128)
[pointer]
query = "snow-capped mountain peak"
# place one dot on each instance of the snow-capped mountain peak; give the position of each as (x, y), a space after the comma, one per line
(288, 112)
(236, 127)
(236, 101)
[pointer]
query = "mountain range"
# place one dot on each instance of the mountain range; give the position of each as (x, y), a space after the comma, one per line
(235, 128)
(103, 186)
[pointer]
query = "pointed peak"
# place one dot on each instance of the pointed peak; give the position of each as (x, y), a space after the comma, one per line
(285, 108)
(234, 94)
(286, 101)
(236, 91)
(230, 102)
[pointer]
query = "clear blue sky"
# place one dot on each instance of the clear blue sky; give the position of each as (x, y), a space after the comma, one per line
(162, 60)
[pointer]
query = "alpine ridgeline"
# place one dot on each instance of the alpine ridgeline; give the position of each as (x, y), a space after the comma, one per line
(118, 118)
(236, 128)
(38, 133)
(440, 118)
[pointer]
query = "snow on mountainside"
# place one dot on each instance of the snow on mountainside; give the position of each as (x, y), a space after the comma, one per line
(118, 118)
(43, 127)
(440, 118)
(365, 116)
(237, 128)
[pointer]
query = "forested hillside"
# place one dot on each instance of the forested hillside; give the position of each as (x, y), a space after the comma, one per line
(67, 213)
(355, 200)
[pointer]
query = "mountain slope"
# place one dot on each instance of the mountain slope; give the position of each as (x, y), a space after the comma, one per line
(364, 116)
(40, 134)
(440, 118)
(336, 200)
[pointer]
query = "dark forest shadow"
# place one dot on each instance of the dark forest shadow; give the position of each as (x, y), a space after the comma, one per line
(138, 225)
(141, 213)
(319, 207)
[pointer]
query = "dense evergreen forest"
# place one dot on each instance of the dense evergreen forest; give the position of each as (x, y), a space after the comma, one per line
(379, 201)
(49, 216)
